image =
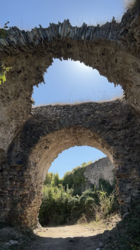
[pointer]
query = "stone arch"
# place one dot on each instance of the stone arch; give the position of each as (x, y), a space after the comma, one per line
(39, 161)
(54, 128)
(113, 49)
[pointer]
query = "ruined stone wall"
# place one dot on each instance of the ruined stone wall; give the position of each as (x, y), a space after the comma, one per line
(113, 49)
(31, 140)
(103, 168)
(111, 127)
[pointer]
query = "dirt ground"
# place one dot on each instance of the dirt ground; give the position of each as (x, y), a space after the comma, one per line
(76, 237)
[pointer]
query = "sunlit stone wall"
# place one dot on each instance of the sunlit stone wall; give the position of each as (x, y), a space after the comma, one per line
(101, 169)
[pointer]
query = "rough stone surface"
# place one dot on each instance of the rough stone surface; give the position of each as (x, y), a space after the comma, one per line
(103, 168)
(30, 142)
(111, 127)
(7, 231)
(113, 49)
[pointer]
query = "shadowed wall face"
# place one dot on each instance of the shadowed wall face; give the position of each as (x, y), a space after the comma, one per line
(107, 126)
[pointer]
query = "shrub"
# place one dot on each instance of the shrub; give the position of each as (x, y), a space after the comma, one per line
(106, 186)
(48, 179)
(75, 178)
(108, 204)
(63, 201)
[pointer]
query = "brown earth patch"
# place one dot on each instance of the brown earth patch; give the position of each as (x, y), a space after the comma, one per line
(79, 237)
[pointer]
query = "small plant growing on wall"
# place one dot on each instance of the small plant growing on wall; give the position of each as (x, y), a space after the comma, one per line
(3, 31)
(3, 71)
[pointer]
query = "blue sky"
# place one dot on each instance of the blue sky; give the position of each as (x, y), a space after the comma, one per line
(66, 81)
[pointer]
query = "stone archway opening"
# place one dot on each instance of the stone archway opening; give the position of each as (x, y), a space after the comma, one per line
(67, 180)
(114, 50)
(39, 162)
(62, 140)
(51, 130)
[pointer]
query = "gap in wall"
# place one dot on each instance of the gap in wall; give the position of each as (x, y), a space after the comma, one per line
(72, 82)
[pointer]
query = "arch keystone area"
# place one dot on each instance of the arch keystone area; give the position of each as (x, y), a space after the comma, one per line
(30, 139)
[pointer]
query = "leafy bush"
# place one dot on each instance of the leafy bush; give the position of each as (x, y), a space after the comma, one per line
(108, 204)
(63, 201)
(3, 69)
(48, 179)
(106, 186)
(75, 178)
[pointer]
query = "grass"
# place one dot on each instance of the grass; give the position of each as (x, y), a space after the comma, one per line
(104, 224)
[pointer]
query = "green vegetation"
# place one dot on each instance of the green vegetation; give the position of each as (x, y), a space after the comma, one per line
(67, 201)
(61, 205)
(3, 31)
(106, 185)
(75, 179)
(3, 71)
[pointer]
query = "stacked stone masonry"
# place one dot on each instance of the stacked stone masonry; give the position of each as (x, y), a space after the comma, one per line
(111, 127)
(30, 139)
(113, 49)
